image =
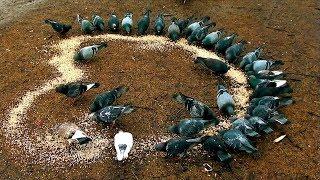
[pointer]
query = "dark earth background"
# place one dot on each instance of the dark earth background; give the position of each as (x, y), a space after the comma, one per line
(288, 30)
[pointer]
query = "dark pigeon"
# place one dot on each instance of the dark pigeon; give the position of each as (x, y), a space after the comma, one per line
(216, 66)
(75, 89)
(58, 27)
(107, 98)
(109, 114)
(196, 108)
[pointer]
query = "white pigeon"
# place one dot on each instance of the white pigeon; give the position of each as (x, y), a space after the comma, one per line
(123, 142)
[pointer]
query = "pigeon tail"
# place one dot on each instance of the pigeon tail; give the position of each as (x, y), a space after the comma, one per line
(224, 156)
(48, 21)
(120, 90)
(179, 97)
(268, 130)
(93, 85)
(253, 133)
(102, 45)
(128, 109)
(199, 60)
(249, 148)
(277, 63)
(286, 101)
(279, 118)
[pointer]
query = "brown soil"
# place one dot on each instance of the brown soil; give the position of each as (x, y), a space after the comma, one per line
(288, 30)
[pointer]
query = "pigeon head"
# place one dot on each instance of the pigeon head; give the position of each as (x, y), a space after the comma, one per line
(120, 90)
(161, 146)
(62, 89)
(174, 129)
(179, 97)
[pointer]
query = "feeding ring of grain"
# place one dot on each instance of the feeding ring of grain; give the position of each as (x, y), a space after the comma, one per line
(49, 150)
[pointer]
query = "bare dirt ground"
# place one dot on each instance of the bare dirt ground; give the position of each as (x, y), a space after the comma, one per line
(288, 30)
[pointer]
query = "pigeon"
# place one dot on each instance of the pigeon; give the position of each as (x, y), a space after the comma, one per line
(245, 127)
(107, 98)
(211, 39)
(254, 81)
(237, 141)
(177, 147)
(272, 88)
(144, 22)
(196, 108)
(127, 22)
(113, 22)
(86, 25)
(250, 57)
(174, 30)
(192, 27)
(233, 52)
(272, 102)
(123, 142)
(216, 66)
(109, 114)
(189, 127)
(88, 52)
(265, 65)
(225, 101)
(98, 22)
(214, 144)
(269, 115)
(199, 34)
(223, 44)
(58, 27)
(183, 23)
(80, 137)
(75, 89)
(159, 24)
(267, 74)
(259, 124)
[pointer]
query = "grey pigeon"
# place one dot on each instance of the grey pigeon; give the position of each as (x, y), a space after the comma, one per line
(269, 115)
(88, 52)
(245, 127)
(225, 101)
(211, 39)
(107, 98)
(98, 22)
(259, 124)
(174, 30)
(223, 44)
(110, 114)
(159, 24)
(233, 52)
(127, 22)
(196, 108)
(260, 65)
(189, 127)
(215, 65)
(250, 57)
(267, 74)
(236, 140)
(86, 26)
(254, 81)
(75, 89)
(58, 27)
(195, 25)
(199, 34)
(272, 102)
